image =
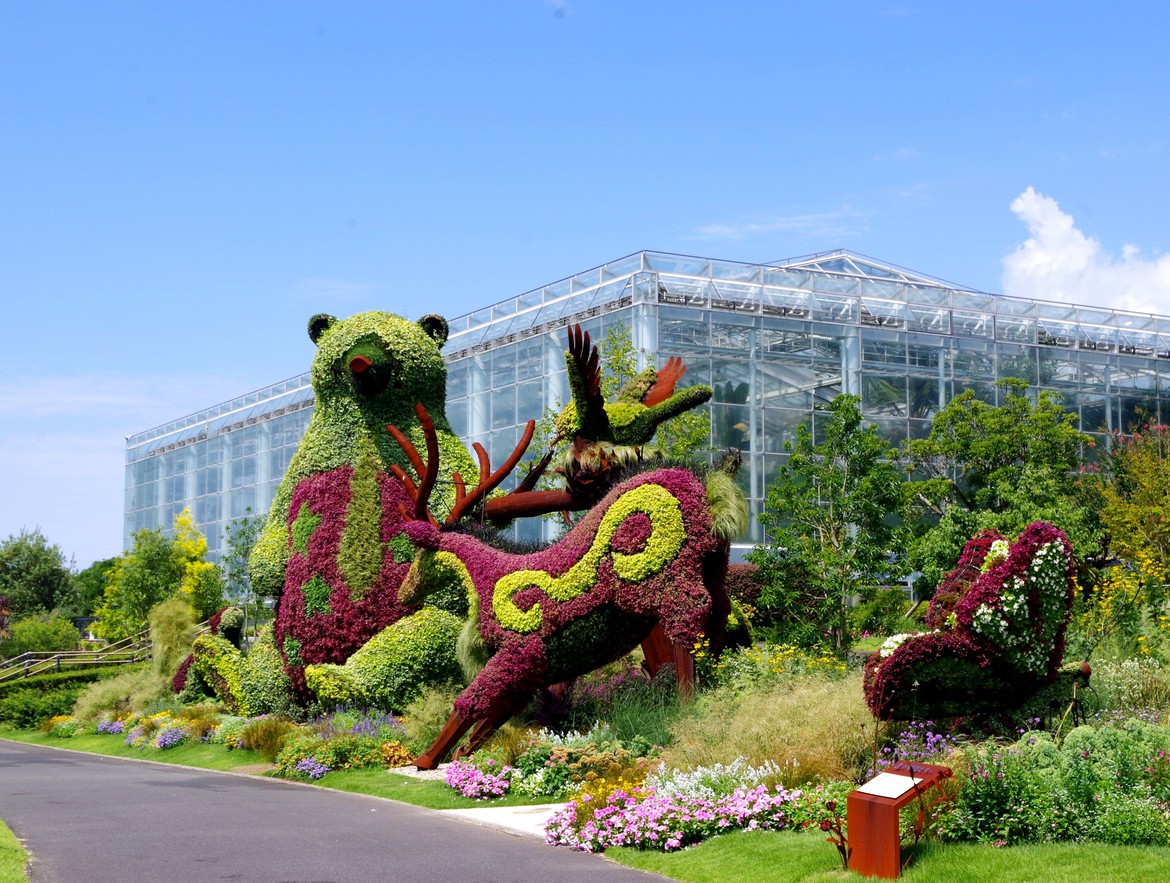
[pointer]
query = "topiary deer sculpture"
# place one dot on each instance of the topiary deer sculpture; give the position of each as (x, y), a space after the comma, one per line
(648, 555)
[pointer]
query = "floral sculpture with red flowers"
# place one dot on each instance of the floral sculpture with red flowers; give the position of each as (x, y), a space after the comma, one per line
(647, 555)
(997, 639)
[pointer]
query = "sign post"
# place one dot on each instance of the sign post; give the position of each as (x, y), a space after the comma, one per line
(872, 812)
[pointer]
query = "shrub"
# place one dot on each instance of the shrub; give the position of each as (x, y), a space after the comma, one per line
(264, 685)
(25, 709)
(884, 614)
(266, 735)
(336, 753)
(40, 634)
(1130, 819)
(220, 664)
(1097, 784)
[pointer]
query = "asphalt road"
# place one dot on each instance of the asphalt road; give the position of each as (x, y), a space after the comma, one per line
(90, 819)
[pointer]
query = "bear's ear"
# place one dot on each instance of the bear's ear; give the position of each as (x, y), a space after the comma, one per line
(318, 325)
(436, 327)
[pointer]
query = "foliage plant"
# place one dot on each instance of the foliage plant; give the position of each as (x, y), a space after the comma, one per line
(1098, 783)
(266, 735)
(808, 722)
(834, 527)
(172, 629)
(341, 752)
(392, 668)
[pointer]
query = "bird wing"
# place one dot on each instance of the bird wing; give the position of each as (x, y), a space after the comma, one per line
(668, 377)
(584, 366)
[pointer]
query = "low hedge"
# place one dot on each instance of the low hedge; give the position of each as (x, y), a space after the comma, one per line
(69, 676)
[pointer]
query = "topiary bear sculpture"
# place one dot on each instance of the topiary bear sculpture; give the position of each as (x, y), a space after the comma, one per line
(332, 551)
(999, 632)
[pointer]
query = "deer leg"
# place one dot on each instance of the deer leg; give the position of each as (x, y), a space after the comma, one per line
(453, 731)
(657, 649)
(482, 732)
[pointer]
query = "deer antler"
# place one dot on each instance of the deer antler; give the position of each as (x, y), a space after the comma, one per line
(427, 472)
(488, 481)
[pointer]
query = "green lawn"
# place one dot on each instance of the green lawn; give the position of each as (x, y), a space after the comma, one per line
(786, 857)
(781, 857)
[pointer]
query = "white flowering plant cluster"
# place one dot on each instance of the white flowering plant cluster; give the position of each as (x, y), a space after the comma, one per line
(1023, 623)
(893, 642)
(713, 782)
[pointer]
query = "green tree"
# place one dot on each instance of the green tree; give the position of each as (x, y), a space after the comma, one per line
(201, 584)
(91, 586)
(1135, 488)
(158, 567)
(834, 518)
(34, 575)
(999, 467)
(5, 618)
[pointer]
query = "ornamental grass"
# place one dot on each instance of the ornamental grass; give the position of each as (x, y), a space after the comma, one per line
(267, 736)
(809, 725)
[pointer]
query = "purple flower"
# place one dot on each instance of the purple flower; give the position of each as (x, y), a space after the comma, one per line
(312, 768)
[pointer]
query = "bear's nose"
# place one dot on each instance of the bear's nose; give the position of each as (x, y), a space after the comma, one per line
(359, 364)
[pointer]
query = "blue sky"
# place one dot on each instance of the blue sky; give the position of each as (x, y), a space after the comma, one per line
(183, 184)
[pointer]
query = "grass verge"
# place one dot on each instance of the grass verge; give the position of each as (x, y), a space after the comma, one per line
(779, 857)
(13, 858)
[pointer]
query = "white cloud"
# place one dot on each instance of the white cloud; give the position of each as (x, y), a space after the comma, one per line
(900, 154)
(1059, 262)
(822, 225)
